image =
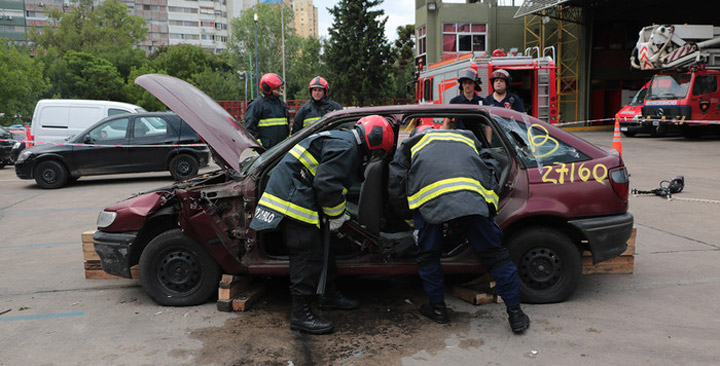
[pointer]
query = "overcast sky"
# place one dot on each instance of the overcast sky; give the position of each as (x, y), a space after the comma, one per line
(399, 12)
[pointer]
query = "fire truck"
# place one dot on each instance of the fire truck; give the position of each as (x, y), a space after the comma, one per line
(533, 78)
(685, 93)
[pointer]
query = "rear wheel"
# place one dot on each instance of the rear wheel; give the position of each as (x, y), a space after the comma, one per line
(549, 265)
(176, 271)
(50, 174)
(183, 166)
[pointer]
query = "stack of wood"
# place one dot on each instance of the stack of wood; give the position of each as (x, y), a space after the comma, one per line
(482, 289)
(91, 260)
(238, 293)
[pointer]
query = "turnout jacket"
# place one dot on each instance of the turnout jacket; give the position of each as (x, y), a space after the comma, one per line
(312, 111)
(267, 120)
(315, 175)
(445, 174)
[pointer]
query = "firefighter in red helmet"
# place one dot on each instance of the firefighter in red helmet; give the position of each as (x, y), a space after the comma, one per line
(305, 198)
(267, 116)
(318, 106)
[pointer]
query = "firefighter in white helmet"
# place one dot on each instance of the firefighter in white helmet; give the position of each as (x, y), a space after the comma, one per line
(469, 85)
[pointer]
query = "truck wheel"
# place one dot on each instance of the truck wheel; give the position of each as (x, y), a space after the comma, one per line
(183, 166)
(176, 271)
(629, 133)
(50, 174)
(549, 265)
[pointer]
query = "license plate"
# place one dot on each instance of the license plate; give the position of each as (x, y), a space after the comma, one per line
(656, 123)
(623, 128)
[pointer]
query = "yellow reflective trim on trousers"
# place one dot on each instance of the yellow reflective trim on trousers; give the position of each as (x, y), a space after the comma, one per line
(305, 158)
(440, 136)
(289, 209)
(272, 122)
(451, 185)
(309, 121)
(336, 210)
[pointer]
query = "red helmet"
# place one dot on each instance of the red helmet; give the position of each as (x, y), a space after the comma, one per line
(270, 81)
(378, 132)
(319, 82)
(420, 129)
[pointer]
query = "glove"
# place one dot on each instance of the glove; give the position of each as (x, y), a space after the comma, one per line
(337, 222)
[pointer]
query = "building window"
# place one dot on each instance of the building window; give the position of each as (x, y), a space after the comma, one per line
(422, 41)
(464, 37)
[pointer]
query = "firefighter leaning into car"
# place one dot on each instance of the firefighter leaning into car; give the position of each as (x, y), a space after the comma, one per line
(501, 95)
(309, 184)
(469, 85)
(318, 106)
(460, 190)
(267, 116)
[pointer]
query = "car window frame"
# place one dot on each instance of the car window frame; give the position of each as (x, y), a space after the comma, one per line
(97, 141)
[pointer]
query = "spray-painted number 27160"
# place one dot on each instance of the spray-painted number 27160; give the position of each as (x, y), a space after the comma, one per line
(598, 172)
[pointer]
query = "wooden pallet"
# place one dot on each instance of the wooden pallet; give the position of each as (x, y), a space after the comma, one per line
(91, 260)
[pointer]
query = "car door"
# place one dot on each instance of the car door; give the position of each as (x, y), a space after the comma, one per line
(152, 139)
(105, 151)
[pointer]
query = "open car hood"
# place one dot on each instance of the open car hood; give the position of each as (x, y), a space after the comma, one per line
(223, 134)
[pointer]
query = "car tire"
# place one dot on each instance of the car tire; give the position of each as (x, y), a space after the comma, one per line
(2, 164)
(549, 265)
(176, 271)
(50, 174)
(629, 133)
(658, 131)
(183, 166)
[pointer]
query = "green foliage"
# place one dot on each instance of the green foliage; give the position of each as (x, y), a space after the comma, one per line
(85, 76)
(357, 53)
(219, 85)
(21, 82)
(305, 66)
(183, 61)
(403, 68)
(137, 94)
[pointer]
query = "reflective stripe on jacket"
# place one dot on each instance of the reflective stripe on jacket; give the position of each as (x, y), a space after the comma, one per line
(445, 174)
(314, 175)
(312, 111)
(267, 119)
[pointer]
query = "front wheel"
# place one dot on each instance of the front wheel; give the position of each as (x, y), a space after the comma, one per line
(183, 166)
(549, 265)
(50, 174)
(176, 271)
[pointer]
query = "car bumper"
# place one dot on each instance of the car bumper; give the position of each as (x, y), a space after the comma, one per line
(114, 252)
(23, 170)
(607, 236)
(5, 151)
(635, 126)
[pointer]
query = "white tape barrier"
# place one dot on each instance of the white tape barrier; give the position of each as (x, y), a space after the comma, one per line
(97, 145)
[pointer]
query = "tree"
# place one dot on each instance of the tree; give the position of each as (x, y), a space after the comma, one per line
(22, 82)
(137, 94)
(305, 66)
(358, 53)
(403, 67)
(86, 76)
(184, 60)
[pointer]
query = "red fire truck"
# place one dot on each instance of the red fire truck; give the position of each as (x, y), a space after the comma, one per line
(685, 94)
(533, 79)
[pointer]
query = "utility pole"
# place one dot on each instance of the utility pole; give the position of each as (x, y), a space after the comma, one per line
(257, 71)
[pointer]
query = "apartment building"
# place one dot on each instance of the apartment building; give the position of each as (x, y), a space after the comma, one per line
(306, 18)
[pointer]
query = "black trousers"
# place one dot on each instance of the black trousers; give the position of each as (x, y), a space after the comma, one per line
(305, 252)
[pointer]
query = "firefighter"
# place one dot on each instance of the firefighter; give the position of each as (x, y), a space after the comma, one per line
(501, 95)
(460, 190)
(469, 84)
(318, 106)
(267, 116)
(307, 185)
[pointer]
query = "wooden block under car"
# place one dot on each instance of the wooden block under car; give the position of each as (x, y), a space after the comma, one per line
(478, 291)
(243, 299)
(231, 285)
(624, 264)
(91, 260)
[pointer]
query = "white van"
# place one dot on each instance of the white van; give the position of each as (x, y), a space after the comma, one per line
(54, 120)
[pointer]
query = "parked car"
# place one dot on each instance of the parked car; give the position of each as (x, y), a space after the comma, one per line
(559, 195)
(150, 141)
(5, 146)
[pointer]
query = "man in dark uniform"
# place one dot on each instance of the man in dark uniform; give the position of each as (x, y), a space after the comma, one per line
(318, 106)
(267, 116)
(462, 190)
(468, 85)
(501, 95)
(315, 175)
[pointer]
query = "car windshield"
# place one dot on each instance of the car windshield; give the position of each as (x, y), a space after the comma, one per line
(674, 86)
(639, 97)
(535, 145)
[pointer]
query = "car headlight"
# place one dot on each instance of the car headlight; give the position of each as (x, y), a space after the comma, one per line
(106, 218)
(17, 145)
(23, 155)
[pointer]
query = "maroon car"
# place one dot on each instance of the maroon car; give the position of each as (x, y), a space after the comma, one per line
(559, 195)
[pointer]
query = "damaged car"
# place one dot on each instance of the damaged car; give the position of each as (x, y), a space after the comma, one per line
(559, 196)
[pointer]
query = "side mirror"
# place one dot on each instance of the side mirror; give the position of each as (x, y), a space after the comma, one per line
(88, 139)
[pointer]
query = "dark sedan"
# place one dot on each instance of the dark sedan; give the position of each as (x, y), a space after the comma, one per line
(129, 143)
(6, 144)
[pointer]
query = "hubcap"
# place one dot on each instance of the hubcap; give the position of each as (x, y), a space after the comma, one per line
(183, 167)
(49, 175)
(179, 271)
(540, 268)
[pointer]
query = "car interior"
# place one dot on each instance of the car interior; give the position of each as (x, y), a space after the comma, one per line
(374, 226)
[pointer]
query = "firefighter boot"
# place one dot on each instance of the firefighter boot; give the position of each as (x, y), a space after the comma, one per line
(304, 320)
(518, 320)
(335, 300)
(435, 312)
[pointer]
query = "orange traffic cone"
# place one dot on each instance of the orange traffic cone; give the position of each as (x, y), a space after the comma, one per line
(617, 143)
